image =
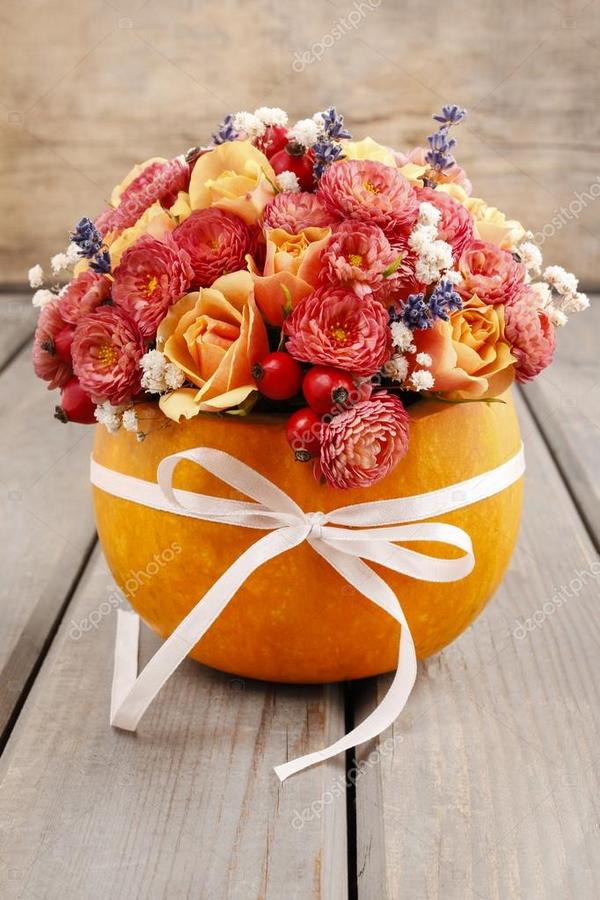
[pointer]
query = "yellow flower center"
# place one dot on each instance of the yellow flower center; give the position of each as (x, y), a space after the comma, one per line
(372, 188)
(339, 333)
(151, 285)
(107, 355)
(355, 259)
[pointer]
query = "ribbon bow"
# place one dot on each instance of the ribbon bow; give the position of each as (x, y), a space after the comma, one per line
(344, 537)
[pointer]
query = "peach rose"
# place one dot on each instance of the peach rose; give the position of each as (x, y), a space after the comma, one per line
(291, 270)
(215, 336)
(236, 177)
(470, 356)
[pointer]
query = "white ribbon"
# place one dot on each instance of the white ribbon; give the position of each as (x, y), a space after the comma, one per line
(344, 537)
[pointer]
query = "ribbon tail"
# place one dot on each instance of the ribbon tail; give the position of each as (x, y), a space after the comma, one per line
(132, 696)
(369, 583)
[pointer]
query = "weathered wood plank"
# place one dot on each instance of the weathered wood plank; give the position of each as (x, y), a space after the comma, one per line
(17, 322)
(46, 523)
(159, 85)
(565, 402)
(490, 785)
(188, 807)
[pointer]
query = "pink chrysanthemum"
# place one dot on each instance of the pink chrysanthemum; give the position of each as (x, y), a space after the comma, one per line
(295, 211)
(491, 273)
(107, 348)
(151, 276)
(160, 181)
(370, 192)
(216, 243)
(47, 364)
(336, 328)
(456, 223)
(356, 257)
(82, 295)
(362, 444)
(530, 334)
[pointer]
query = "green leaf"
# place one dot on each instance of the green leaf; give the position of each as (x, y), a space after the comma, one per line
(246, 407)
(287, 306)
(394, 266)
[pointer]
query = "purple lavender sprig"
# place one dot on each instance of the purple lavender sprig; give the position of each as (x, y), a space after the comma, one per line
(419, 312)
(87, 238)
(225, 132)
(439, 156)
(326, 152)
(333, 125)
(101, 262)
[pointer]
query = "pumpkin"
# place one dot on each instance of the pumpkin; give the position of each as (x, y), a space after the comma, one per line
(295, 619)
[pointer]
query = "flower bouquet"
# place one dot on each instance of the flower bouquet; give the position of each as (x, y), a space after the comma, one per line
(330, 328)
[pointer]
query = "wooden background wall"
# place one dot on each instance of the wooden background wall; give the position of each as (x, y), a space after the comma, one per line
(89, 87)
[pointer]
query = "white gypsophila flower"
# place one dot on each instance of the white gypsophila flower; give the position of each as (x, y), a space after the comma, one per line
(396, 368)
(250, 124)
(423, 359)
(428, 214)
(59, 263)
(305, 132)
(421, 238)
(454, 277)
(426, 271)
(440, 254)
(108, 415)
(562, 281)
(174, 376)
(272, 115)
(531, 257)
(36, 276)
(402, 336)
(544, 293)
(288, 181)
(72, 254)
(160, 375)
(130, 419)
(557, 316)
(319, 122)
(573, 303)
(421, 380)
(41, 298)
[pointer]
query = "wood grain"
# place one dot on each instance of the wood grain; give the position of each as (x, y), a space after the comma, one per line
(490, 786)
(565, 402)
(46, 522)
(90, 88)
(187, 807)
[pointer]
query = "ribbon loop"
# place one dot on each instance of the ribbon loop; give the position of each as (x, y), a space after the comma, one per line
(344, 537)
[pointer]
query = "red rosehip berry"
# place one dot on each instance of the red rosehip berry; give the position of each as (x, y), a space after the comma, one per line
(326, 389)
(303, 432)
(278, 375)
(63, 341)
(297, 159)
(75, 404)
(273, 140)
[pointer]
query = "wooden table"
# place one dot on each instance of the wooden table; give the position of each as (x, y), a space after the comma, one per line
(487, 786)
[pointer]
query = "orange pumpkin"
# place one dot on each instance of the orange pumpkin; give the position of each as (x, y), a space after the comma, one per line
(295, 619)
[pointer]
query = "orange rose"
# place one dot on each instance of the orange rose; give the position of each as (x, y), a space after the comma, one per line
(236, 177)
(214, 335)
(470, 356)
(291, 269)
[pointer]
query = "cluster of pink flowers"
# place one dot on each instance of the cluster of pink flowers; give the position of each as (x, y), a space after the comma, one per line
(290, 267)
